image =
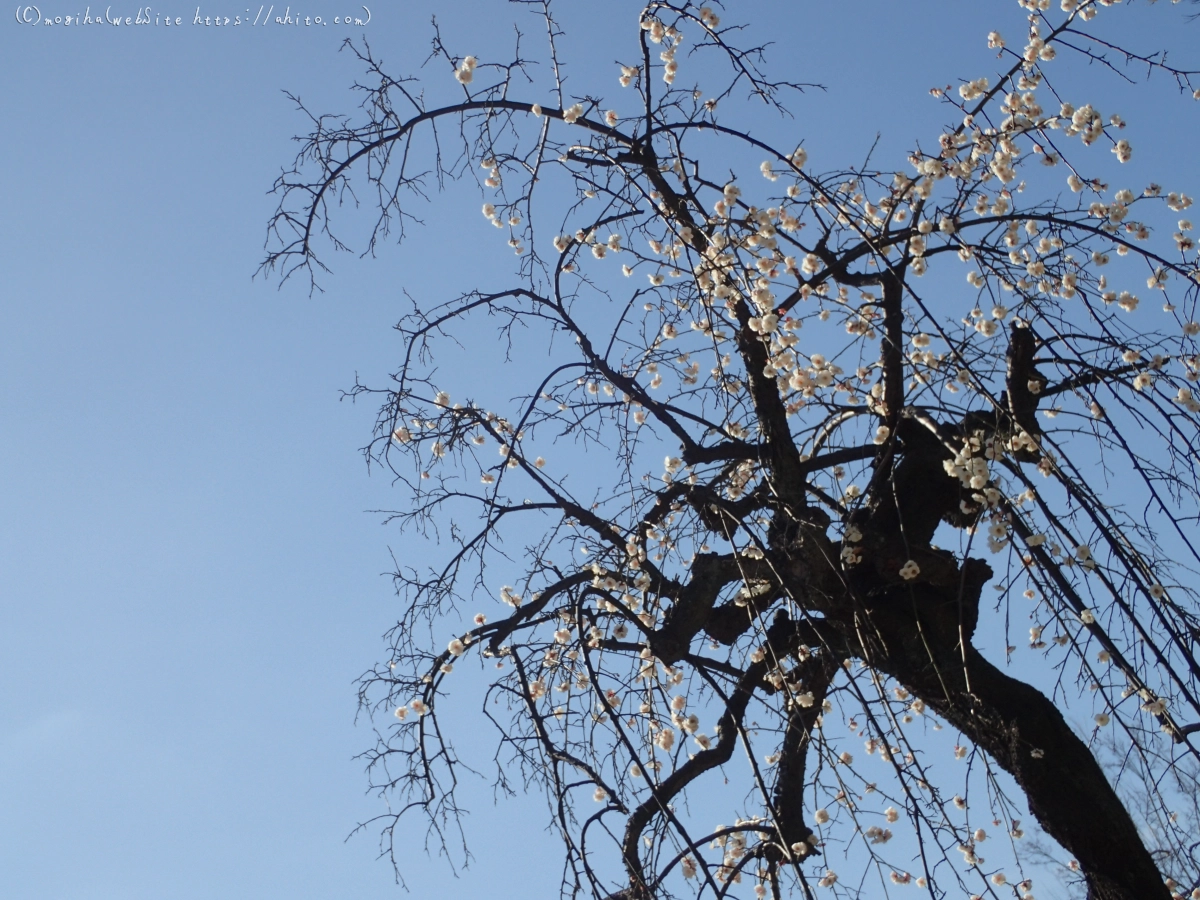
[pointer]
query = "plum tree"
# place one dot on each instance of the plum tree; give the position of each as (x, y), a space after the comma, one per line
(803, 478)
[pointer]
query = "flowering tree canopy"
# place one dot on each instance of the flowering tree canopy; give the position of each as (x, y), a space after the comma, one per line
(796, 448)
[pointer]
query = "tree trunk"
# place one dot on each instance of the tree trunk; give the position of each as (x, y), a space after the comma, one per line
(1022, 730)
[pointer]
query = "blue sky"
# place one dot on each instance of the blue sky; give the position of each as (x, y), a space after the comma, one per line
(190, 583)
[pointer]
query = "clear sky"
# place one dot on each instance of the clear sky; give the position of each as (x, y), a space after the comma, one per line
(189, 579)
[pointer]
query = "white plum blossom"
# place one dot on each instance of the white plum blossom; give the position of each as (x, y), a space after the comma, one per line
(466, 70)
